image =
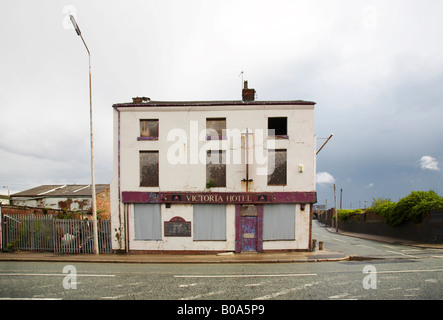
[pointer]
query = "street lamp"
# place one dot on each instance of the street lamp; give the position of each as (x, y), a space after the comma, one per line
(94, 205)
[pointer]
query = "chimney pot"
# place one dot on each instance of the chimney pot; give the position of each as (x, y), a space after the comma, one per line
(248, 94)
(140, 99)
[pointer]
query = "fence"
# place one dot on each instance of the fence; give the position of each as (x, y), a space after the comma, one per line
(35, 232)
(429, 230)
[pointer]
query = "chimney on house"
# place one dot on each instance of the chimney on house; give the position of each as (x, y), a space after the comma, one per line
(140, 99)
(248, 94)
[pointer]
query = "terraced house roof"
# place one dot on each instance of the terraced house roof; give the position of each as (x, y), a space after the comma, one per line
(71, 190)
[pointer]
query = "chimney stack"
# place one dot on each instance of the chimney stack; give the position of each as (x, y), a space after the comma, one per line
(140, 99)
(248, 94)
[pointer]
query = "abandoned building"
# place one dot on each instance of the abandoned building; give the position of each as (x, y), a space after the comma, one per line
(213, 176)
(65, 197)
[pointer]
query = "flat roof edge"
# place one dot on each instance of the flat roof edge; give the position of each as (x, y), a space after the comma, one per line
(210, 103)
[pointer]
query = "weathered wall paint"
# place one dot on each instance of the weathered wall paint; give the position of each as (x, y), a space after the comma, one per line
(191, 175)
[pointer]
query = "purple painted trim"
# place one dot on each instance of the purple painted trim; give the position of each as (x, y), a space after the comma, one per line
(259, 228)
(147, 138)
(219, 197)
(216, 138)
(118, 152)
(237, 229)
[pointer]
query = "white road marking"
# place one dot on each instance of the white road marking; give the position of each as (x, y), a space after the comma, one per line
(56, 274)
(202, 295)
(286, 291)
(187, 285)
(30, 298)
(253, 285)
(112, 298)
(365, 246)
(339, 296)
(409, 271)
(340, 240)
(246, 275)
(413, 289)
(431, 280)
(403, 254)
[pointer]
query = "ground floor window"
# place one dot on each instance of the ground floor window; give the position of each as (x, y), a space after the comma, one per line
(209, 222)
(279, 222)
(147, 222)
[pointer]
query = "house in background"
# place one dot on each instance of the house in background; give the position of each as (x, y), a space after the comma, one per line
(213, 176)
(65, 197)
(4, 200)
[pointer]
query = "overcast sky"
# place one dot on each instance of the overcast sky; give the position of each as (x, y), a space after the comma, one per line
(374, 68)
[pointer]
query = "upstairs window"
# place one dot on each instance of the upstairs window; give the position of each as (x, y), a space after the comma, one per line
(149, 169)
(278, 127)
(148, 129)
(215, 128)
(277, 167)
(215, 168)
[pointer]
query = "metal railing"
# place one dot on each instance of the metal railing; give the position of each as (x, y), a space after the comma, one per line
(35, 232)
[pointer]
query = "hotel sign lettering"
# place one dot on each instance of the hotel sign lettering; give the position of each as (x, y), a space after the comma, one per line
(216, 198)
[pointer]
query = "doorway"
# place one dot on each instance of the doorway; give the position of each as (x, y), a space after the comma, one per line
(249, 222)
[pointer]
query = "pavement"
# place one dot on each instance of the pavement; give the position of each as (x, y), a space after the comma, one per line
(386, 239)
(285, 257)
(228, 257)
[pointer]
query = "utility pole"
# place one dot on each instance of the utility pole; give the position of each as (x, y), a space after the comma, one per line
(336, 213)
(341, 196)
(330, 136)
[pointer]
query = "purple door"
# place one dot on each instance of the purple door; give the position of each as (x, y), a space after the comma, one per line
(248, 228)
(248, 234)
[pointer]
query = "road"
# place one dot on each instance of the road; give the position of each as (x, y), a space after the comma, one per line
(388, 271)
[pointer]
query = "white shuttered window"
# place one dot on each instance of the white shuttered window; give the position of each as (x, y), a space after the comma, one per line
(147, 222)
(209, 222)
(279, 222)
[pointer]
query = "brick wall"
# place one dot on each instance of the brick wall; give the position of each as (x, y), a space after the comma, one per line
(103, 204)
(7, 209)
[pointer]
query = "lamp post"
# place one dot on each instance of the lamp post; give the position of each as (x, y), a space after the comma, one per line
(336, 212)
(94, 204)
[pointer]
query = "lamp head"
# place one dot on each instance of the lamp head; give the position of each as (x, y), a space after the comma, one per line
(74, 23)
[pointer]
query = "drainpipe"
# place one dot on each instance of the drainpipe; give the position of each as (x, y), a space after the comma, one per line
(247, 180)
(247, 160)
(122, 228)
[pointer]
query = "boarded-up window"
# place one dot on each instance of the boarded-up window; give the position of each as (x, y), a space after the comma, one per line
(277, 167)
(279, 222)
(209, 222)
(215, 128)
(147, 222)
(149, 168)
(216, 168)
(149, 129)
